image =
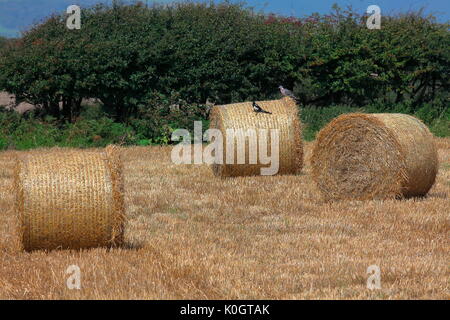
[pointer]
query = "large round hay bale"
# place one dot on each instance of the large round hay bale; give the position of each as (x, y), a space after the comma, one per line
(69, 199)
(374, 156)
(240, 116)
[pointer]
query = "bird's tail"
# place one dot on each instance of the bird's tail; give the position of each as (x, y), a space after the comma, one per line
(297, 100)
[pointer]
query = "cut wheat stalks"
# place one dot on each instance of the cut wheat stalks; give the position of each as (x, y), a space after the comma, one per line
(374, 156)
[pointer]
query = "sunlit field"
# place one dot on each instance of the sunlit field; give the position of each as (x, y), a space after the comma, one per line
(191, 235)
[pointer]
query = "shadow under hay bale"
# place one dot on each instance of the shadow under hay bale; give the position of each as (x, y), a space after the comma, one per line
(240, 116)
(374, 156)
(69, 199)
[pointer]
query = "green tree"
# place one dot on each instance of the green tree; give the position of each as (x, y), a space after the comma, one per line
(131, 57)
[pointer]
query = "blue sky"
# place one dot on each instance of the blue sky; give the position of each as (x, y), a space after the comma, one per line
(18, 15)
(440, 8)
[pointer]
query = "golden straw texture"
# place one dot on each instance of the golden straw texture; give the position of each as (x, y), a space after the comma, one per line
(284, 118)
(69, 199)
(374, 156)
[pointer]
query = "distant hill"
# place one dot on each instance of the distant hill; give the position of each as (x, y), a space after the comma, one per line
(18, 15)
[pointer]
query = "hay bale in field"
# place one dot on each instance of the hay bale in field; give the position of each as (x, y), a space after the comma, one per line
(374, 156)
(240, 116)
(69, 199)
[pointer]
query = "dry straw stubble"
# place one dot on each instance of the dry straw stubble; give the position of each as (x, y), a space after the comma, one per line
(374, 156)
(240, 116)
(69, 199)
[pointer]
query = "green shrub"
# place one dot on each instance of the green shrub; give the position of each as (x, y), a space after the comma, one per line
(160, 116)
(441, 127)
(144, 142)
(226, 52)
(428, 113)
(315, 118)
(31, 135)
(154, 68)
(96, 133)
(21, 133)
(3, 143)
(93, 112)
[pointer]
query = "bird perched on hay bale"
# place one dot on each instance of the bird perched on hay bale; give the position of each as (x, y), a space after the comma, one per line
(258, 109)
(288, 93)
(235, 120)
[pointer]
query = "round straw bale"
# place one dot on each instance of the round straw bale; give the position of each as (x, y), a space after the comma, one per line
(374, 156)
(69, 199)
(240, 116)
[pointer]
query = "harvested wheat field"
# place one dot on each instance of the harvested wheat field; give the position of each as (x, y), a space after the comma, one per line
(191, 235)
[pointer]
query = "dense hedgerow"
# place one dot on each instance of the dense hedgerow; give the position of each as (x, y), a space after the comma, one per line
(95, 129)
(154, 69)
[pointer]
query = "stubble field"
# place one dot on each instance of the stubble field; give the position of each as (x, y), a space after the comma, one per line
(191, 235)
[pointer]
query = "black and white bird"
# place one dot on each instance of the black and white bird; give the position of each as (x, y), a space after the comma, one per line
(258, 109)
